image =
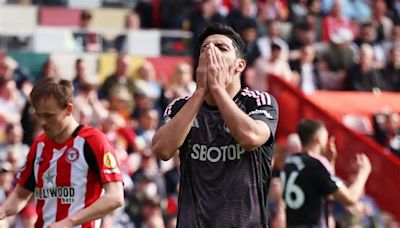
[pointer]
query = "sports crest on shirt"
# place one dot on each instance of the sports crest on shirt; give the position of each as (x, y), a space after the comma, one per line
(72, 155)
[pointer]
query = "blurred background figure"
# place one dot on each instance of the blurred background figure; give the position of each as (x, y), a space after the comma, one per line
(50, 69)
(86, 38)
(363, 76)
(391, 73)
(338, 58)
(120, 77)
(181, 84)
(387, 130)
(306, 69)
(274, 65)
(132, 23)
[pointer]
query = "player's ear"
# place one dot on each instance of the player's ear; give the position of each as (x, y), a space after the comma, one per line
(240, 65)
(69, 109)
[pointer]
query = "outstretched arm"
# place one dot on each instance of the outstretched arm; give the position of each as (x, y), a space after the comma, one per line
(349, 196)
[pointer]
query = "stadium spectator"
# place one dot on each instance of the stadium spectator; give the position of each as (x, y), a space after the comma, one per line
(244, 14)
(147, 127)
(334, 22)
(303, 35)
(249, 34)
(202, 148)
(132, 23)
(368, 35)
(11, 101)
(339, 57)
(181, 84)
(13, 142)
(357, 10)
(307, 70)
(274, 65)
(206, 13)
(308, 181)
(80, 75)
(121, 77)
(393, 41)
(387, 130)
(381, 21)
(272, 10)
(88, 108)
(50, 70)
(147, 78)
(6, 186)
(273, 36)
(298, 12)
(363, 76)
(391, 73)
(86, 39)
(70, 172)
(315, 18)
(120, 101)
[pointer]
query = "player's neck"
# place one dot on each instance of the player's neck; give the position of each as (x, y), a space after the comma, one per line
(312, 149)
(232, 90)
(66, 132)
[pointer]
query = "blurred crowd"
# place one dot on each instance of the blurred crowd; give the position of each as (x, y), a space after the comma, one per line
(312, 44)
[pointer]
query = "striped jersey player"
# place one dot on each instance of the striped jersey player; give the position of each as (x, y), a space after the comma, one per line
(71, 169)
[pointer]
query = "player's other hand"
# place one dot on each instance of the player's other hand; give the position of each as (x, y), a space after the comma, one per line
(65, 223)
(2, 213)
(331, 151)
(363, 164)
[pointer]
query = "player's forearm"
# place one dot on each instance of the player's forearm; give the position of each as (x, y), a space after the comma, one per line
(356, 189)
(245, 130)
(16, 201)
(111, 200)
(171, 136)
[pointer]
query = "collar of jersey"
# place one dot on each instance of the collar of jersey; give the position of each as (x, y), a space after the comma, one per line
(214, 107)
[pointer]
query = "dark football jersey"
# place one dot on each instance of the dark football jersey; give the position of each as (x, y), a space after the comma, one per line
(307, 183)
(221, 184)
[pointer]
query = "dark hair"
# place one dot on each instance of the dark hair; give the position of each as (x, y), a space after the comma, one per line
(78, 61)
(86, 15)
(307, 129)
(61, 90)
(227, 31)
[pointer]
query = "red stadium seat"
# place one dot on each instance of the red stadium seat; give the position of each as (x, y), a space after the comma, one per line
(58, 16)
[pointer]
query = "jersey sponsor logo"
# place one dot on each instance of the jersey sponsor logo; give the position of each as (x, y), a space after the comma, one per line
(65, 194)
(109, 160)
(262, 112)
(214, 154)
(72, 155)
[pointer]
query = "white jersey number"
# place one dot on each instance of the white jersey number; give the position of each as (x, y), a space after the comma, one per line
(293, 195)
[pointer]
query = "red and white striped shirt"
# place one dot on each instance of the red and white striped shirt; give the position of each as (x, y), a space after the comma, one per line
(66, 178)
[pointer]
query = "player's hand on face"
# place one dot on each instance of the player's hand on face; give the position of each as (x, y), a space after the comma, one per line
(201, 70)
(218, 70)
(331, 151)
(363, 163)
